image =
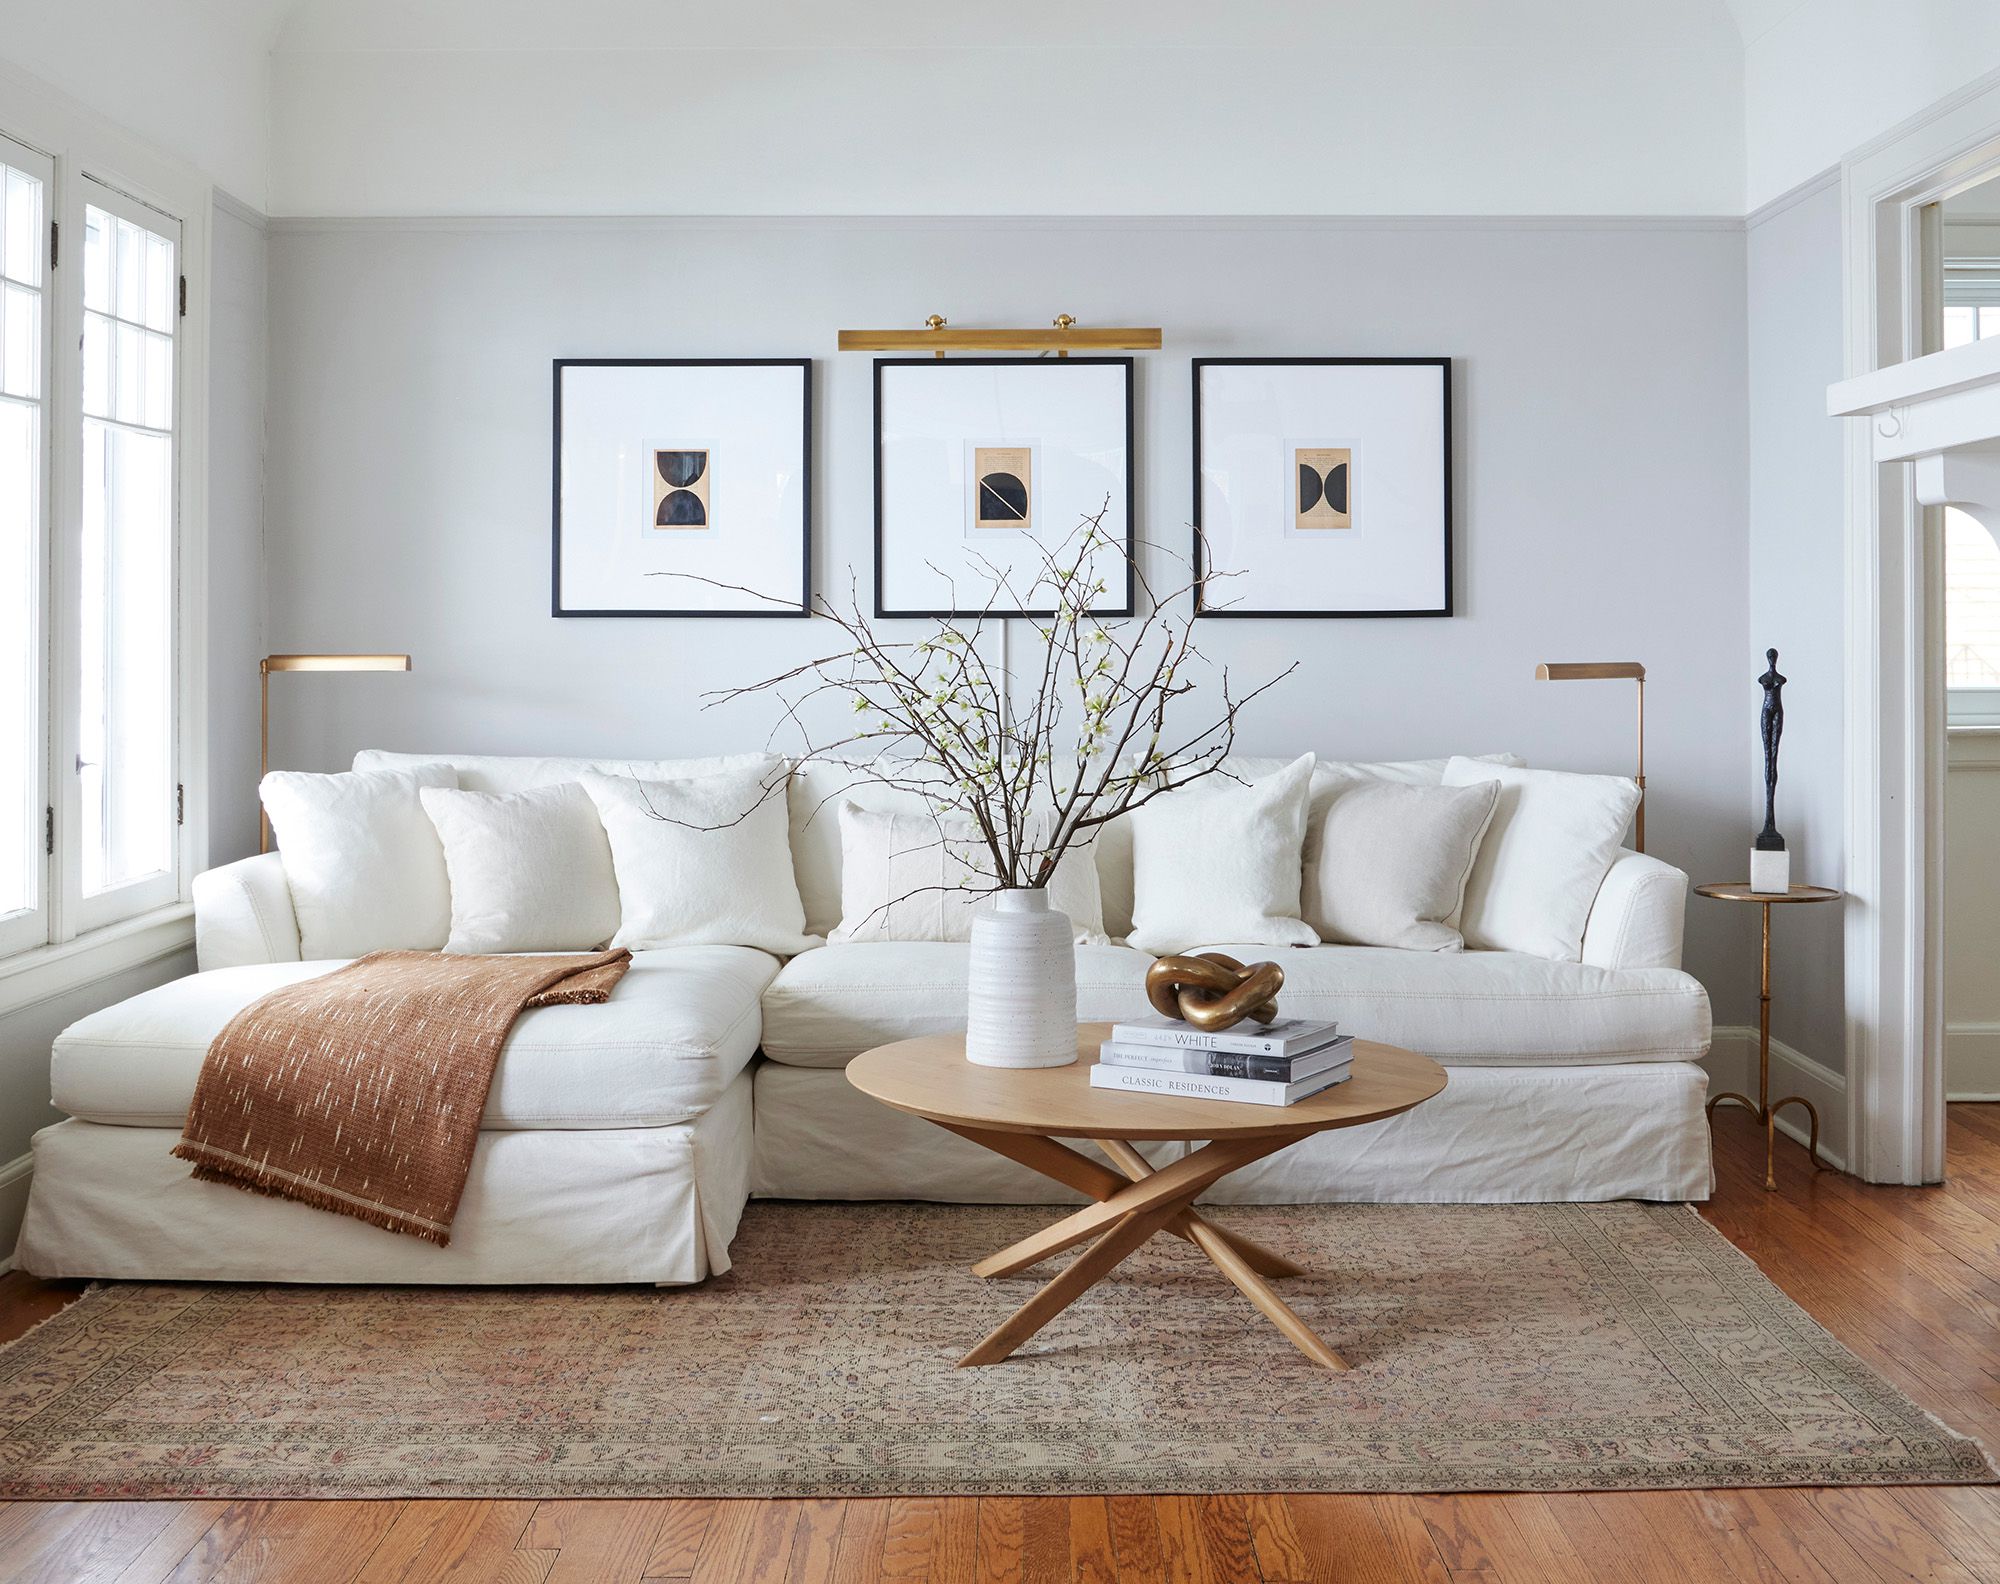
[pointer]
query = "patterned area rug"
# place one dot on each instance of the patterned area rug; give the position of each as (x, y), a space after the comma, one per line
(1560, 1347)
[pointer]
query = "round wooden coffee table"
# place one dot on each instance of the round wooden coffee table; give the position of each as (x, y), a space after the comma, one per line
(1022, 1114)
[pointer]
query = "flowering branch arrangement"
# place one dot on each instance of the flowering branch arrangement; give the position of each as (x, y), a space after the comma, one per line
(1040, 775)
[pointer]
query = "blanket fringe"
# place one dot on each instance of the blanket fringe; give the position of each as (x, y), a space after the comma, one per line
(251, 1180)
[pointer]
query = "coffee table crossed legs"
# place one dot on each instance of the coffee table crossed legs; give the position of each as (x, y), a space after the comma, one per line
(1128, 1212)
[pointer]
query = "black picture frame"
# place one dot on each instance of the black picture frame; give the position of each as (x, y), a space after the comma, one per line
(1446, 606)
(1129, 604)
(781, 612)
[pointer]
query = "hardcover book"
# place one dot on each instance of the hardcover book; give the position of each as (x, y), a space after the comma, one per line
(1286, 1037)
(1191, 1086)
(1230, 1064)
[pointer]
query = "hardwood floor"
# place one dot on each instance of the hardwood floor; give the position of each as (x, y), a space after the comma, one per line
(1907, 1277)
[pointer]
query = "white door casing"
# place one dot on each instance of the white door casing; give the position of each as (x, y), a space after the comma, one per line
(1919, 435)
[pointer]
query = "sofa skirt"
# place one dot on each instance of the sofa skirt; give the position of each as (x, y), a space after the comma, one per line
(653, 1205)
(1496, 1135)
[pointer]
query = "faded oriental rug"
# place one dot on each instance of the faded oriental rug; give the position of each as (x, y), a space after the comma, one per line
(1553, 1347)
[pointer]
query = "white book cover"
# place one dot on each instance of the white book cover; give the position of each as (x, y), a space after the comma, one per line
(1229, 1064)
(1190, 1086)
(1286, 1037)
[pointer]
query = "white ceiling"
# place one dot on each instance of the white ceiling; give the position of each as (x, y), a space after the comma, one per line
(1477, 106)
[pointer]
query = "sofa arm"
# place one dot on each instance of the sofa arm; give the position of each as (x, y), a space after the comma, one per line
(243, 914)
(1638, 916)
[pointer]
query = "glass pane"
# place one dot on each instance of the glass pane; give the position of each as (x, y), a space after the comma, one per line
(128, 367)
(128, 271)
(96, 366)
(159, 406)
(20, 518)
(125, 740)
(1961, 325)
(1971, 603)
(97, 260)
(20, 341)
(1989, 321)
(159, 283)
(21, 229)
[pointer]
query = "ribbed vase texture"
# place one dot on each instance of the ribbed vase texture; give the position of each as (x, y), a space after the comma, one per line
(1021, 988)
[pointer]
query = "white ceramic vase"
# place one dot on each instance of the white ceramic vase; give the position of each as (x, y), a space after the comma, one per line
(1021, 988)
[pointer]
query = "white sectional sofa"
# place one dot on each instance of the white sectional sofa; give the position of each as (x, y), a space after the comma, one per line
(621, 1141)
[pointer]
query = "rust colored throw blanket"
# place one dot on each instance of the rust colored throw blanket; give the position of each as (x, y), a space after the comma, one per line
(361, 1091)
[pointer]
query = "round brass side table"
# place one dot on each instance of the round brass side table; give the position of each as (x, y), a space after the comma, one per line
(1764, 1110)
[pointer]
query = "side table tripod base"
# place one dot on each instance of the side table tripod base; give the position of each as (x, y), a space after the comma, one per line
(1767, 1119)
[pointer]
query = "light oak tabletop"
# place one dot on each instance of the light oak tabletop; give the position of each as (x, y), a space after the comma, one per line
(931, 1078)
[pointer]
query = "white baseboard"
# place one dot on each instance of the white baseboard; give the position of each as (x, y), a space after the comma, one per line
(1732, 1065)
(1972, 1061)
(14, 1177)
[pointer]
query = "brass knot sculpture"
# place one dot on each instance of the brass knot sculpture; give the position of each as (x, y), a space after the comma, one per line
(1214, 992)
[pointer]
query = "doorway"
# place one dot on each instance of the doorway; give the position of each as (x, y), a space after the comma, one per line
(1965, 307)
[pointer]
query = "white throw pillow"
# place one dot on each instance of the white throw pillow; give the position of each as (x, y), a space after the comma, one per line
(914, 877)
(1553, 837)
(704, 861)
(363, 861)
(530, 871)
(1218, 861)
(1386, 862)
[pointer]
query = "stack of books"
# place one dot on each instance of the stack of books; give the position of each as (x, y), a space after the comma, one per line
(1275, 1065)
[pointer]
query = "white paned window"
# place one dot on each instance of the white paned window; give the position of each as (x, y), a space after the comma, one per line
(101, 394)
(126, 644)
(25, 192)
(1971, 557)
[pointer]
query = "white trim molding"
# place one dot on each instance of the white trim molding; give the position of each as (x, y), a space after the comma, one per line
(30, 977)
(1972, 1061)
(1896, 400)
(1732, 1064)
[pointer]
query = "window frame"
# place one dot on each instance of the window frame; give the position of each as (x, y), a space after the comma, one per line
(160, 889)
(82, 149)
(30, 927)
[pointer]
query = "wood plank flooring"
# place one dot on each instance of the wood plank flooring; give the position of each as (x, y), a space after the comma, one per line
(1907, 1277)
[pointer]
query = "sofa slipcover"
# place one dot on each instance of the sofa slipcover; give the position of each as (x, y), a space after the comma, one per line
(1471, 1008)
(681, 1026)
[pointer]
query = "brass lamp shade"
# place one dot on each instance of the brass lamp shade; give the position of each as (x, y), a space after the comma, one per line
(304, 662)
(1613, 671)
(336, 662)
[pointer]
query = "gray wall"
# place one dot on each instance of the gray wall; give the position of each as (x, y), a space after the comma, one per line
(1797, 605)
(1600, 472)
(237, 353)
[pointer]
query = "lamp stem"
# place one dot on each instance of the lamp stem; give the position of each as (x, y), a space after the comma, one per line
(1639, 824)
(263, 752)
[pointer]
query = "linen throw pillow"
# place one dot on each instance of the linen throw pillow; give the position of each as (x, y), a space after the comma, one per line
(916, 877)
(1386, 862)
(363, 861)
(703, 861)
(1553, 837)
(530, 871)
(1221, 863)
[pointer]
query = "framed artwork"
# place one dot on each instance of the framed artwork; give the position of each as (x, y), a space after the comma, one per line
(984, 465)
(1322, 486)
(683, 487)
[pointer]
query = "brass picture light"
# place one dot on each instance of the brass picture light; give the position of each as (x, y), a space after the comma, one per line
(1618, 671)
(304, 662)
